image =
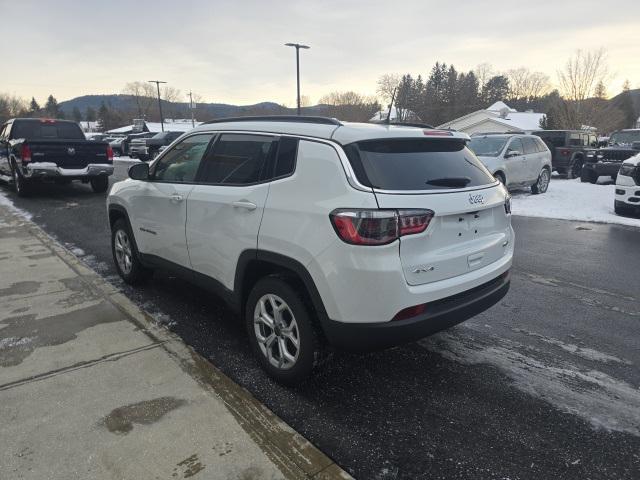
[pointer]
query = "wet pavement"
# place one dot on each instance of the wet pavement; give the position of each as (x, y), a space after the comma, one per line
(546, 384)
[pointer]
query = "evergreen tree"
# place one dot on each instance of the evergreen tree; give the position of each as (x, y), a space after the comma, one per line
(76, 114)
(51, 107)
(34, 108)
(626, 105)
(600, 91)
(496, 89)
(90, 115)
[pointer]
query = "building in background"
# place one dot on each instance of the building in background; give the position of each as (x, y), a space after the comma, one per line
(498, 118)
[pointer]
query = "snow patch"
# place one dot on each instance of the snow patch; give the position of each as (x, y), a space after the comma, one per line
(6, 201)
(571, 200)
(598, 398)
(12, 342)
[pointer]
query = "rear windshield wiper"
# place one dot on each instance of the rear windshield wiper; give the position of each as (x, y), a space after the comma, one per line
(453, 182)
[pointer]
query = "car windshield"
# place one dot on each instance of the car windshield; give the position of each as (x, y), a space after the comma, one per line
(416, 164)
(487, 146)
(625, 138)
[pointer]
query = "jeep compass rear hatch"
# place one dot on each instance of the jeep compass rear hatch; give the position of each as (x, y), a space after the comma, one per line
(468, 227)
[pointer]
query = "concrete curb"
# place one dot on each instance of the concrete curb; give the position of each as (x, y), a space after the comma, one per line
(294, 455)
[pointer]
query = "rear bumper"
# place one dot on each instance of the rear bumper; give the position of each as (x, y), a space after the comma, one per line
(440, 314)
(49, 169)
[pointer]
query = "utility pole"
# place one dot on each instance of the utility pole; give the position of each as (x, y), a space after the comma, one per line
(158, 82)
(297, 46)
(192, 108)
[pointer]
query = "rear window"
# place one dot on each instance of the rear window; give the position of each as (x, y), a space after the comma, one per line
(38, 130)
(416, 164)
(552, 139)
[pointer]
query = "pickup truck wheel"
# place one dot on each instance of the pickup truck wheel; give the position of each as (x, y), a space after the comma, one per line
(100, 184)
(21, 184)
(575, 169)
(125, 254)
(281, 332)
(588, 176)
(543, 182)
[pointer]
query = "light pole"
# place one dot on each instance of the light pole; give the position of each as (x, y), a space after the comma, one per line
(158, 82)
(297, 46)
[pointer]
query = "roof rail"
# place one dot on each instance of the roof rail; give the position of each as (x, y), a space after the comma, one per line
(278, 118)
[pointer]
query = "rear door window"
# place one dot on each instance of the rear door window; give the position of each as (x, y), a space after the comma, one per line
(238, 159)
(529, 145)
(416, 164)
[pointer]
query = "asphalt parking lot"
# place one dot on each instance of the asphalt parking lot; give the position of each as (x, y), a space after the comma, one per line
(544, 385)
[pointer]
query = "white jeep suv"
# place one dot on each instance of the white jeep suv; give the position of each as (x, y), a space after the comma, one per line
(627, 199)
(317, 232)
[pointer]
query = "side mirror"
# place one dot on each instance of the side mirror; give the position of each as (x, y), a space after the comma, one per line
(512, 153)
(139, 171)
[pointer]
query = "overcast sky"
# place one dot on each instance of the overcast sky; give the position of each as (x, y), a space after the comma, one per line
(232, 51)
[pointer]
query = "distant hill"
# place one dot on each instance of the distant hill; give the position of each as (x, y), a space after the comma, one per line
(205, 111)
(635, 95)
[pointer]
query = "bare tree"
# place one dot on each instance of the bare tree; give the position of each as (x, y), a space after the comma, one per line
(578, 81)
(527, 85)
(484, 72)
(350, 106)
(387, 85)
(12, 106)
(143, 94)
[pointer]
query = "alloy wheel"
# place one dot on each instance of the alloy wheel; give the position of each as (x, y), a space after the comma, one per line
(543, 181)
(124, 255)
(277, 332)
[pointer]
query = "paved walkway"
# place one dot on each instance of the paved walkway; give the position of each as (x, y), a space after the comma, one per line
(91, 389)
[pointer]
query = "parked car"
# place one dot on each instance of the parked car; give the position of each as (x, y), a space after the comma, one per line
(569, 149)
(128, 138)
(627, 200)
(96, 137)
(148, 148)
(360, 235)
(623, 144)
(34, 150)
(517, 160)
(117, 145)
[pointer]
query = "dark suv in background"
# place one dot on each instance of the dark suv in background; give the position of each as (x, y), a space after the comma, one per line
(149, 148)
(623, 144)
(569, 149)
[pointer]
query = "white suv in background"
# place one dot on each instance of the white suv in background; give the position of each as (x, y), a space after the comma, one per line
(627, 200)
(517, 160)
(318, 232)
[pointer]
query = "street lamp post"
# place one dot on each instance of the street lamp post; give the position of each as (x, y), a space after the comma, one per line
(158, 82)
(297, 46)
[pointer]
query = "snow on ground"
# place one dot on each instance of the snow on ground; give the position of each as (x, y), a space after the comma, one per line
(6, 201)
(571, 200)
(125, 159)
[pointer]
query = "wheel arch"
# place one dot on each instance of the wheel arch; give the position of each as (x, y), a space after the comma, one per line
(256, 264)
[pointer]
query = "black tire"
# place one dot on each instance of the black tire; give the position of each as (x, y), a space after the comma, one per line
(137, 273)
(21, 185)
(500, 177)
(100, 184)
(588, 176)
(542, 184)
(309, 352)
(575, 169)
(619, 210)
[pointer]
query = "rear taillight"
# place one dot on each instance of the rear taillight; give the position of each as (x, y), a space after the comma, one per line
(378, 227)
(109, 153)
(25, 154)
(410, 312)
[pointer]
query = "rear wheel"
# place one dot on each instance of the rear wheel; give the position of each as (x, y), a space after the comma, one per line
(22, 186)
(589, 176)
(100, 184)
(542, 184)
(281, 331)
(125, 254)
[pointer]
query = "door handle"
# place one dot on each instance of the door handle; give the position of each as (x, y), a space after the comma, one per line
(176, 198)
(244, 204)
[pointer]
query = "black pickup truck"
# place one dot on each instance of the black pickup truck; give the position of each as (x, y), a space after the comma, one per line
(607, 160)
(34, 150)
(148, 148)
(569, 149)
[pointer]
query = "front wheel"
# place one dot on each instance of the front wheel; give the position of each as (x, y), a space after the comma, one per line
(125, 254)
(588, 176)
(100, 184)
(281, 332)
(500, 177)
(542, 184)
